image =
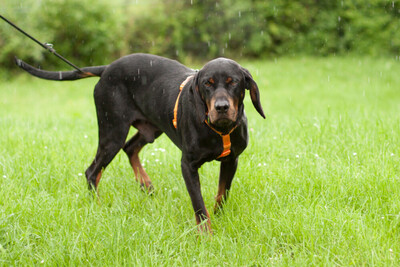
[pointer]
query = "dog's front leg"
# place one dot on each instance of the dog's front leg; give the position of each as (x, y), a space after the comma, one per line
(226, 174)
(191, 176)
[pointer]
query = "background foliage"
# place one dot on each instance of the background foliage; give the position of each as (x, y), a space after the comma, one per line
(91, 34)
(317, 186)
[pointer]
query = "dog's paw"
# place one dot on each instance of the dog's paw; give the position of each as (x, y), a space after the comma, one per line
(148, 189)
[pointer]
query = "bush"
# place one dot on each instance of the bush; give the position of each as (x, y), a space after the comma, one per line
(13, 43)
(258, 28)
(93, 34)
(83, 32)
(88, 33)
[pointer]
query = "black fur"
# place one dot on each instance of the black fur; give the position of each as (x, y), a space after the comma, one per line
(140, 90)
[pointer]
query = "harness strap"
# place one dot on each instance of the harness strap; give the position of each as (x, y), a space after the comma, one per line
(175, 120)
(226, 140)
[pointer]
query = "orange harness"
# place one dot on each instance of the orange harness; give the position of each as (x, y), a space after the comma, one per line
(175, 120)
(226, 139)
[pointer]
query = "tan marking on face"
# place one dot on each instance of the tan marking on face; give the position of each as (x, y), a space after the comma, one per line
(211, 80)
(210, 108)
(228, 80)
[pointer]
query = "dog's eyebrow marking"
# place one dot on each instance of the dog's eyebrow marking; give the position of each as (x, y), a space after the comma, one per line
(228, 80)
(211, 80)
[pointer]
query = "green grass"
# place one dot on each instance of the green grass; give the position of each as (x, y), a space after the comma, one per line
(317, 185)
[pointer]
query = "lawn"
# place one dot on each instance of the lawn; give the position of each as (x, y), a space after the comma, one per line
(317, 185)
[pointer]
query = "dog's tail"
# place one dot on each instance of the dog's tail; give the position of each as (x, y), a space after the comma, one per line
(61, 75)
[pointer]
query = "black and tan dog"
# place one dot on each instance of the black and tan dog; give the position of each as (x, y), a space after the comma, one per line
(206, 119)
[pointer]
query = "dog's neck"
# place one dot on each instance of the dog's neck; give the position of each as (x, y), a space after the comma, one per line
(219, 130)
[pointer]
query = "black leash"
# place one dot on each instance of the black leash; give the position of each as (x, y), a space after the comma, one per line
(46, 46)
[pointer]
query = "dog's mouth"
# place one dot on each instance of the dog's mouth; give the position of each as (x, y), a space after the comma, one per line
(222, 123)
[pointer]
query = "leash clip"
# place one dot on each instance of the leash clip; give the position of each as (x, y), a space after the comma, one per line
(49, 47)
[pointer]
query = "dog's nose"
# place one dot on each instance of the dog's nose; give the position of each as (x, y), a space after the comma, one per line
(221, 105)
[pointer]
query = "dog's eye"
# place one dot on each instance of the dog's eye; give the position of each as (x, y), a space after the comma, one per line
(209, 82)
(233, 83)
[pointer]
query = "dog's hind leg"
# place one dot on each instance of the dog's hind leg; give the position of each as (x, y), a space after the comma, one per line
(112, 114)
(147, 133)
(110, 143)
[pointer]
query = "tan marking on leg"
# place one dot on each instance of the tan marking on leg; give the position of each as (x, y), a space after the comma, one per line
(221, 196)
(98, 179)
(140, 174)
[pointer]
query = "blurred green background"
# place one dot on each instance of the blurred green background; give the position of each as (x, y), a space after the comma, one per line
(93, 33)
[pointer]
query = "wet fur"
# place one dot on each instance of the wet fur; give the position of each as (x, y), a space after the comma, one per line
(140, 90)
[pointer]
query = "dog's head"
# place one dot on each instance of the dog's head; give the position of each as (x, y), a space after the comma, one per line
(221, 84)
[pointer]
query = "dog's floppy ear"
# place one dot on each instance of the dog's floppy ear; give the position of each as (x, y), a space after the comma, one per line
(199, 103)
(254, 93)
